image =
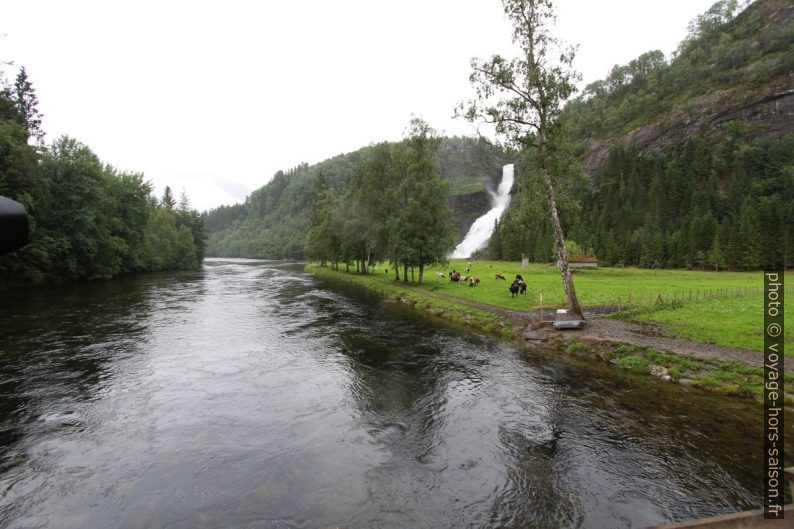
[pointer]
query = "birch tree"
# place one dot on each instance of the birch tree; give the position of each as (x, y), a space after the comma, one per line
(522, 99)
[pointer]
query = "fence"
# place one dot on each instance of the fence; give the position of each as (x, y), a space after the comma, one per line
(648, 299)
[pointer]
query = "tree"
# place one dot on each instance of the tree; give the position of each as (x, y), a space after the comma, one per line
(184, 201)
(426, 220)
(27, 104)
(168, 198)
(522, 97)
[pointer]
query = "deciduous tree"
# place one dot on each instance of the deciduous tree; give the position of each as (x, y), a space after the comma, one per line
(522, 97)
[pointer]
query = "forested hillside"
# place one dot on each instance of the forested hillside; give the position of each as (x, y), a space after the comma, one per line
(686, 162)
(689, 163)
(87, 220)
(273, 221)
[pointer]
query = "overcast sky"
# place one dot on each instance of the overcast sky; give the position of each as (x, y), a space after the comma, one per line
(215, 97)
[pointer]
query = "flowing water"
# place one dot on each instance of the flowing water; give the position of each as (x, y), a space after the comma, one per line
(251, 395)
(482, 228)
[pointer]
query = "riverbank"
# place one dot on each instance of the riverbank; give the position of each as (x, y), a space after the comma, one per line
(631, 346)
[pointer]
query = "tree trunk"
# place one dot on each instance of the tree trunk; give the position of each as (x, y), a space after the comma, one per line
(421, 272)
(567, 281)
(347, 266)
(396, 264)
(405, 272)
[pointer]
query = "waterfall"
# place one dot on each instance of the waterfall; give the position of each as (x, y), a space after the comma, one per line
(482, 228)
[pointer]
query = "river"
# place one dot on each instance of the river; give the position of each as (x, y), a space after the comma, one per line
(252, 395)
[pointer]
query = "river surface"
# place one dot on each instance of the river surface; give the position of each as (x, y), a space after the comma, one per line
(252, 395)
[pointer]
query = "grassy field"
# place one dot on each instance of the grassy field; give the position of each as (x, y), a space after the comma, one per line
(594, 287)
(481, 320)
(734, 321)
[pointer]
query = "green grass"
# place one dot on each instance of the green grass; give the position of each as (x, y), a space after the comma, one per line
(733, 321)
(472, 317)
(594, 287)
(713, 375)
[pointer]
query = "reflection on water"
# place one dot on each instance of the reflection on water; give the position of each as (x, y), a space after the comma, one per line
(252, 395)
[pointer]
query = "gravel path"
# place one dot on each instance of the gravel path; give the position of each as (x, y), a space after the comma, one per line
(640, 334)
(646, 335)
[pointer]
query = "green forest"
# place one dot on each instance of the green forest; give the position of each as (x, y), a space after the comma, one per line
(717, 198)
(393, 208)
(86, 219)
(719, 201)
(685, 182)
(274, 220)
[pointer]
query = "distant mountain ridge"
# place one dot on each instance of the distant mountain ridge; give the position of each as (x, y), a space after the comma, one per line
(273, 220)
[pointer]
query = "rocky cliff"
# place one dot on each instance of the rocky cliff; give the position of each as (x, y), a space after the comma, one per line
(768, 112)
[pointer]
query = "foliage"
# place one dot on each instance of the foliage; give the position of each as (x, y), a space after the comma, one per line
(274, 220)
(390, 199)
(698, 205)
(472, 317)
(87, 220)
(722, 50)
(522, 98)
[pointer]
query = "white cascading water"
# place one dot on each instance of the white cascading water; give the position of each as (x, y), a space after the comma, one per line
(481, 230)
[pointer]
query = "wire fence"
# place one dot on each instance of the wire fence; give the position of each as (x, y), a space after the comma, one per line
(634, 301)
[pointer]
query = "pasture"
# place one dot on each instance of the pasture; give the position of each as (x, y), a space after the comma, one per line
(734, 319)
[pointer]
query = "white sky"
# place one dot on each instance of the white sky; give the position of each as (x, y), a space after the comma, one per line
(216, 96)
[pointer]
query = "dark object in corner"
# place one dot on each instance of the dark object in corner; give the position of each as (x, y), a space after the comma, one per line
(13, 225)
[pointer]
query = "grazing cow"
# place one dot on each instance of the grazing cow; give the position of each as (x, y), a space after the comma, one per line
(454, 276)
(464, 278)
(440, 275)
(517, 287)
(474, 281)
(501, 276)
(468, 268)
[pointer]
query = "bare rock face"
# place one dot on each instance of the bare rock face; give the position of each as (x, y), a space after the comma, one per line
(466, 209)
(769, 112)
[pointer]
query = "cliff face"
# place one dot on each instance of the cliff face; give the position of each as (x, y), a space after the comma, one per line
(467, 208)
(769, 111)
(731, 67)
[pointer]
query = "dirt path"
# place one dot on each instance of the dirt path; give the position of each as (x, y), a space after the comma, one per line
(640, 334)
(647, 335)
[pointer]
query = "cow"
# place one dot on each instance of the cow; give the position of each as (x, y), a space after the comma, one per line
(474, 281)
(516, 287)
(501, 276)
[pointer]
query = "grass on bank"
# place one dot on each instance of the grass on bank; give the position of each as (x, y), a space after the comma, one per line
(731, 321)
(594, 287)
(731, 378)
(481, 320)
